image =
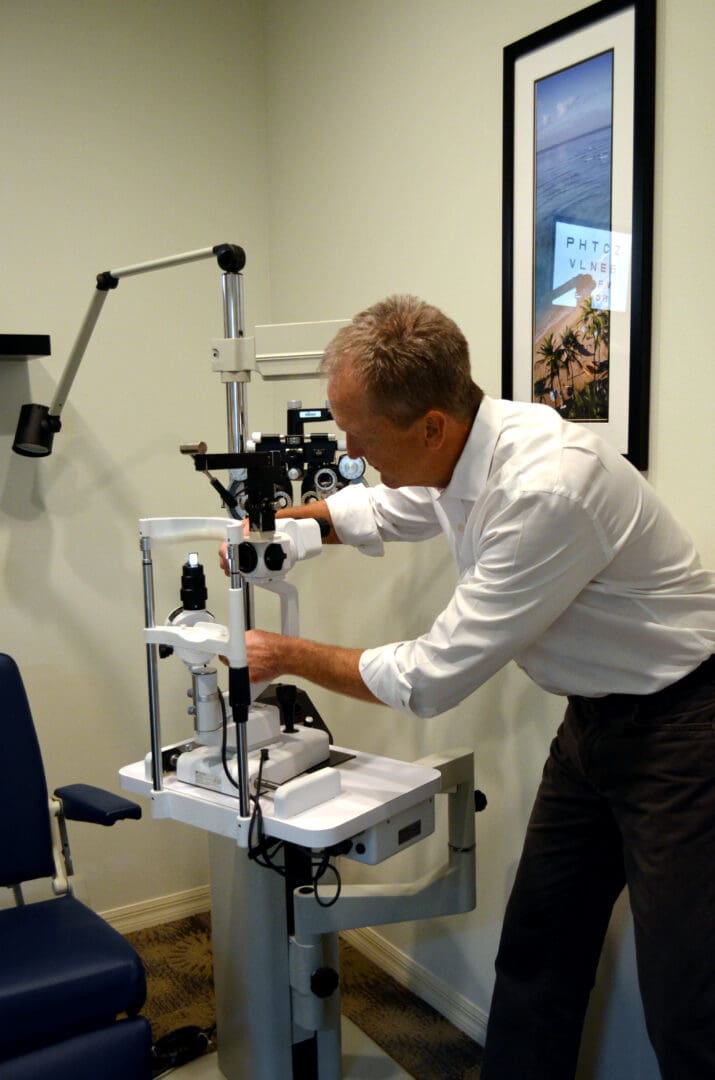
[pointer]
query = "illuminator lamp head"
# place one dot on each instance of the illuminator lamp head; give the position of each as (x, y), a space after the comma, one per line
(36, 430)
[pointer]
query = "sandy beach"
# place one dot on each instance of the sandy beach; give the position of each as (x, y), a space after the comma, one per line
(561, 319)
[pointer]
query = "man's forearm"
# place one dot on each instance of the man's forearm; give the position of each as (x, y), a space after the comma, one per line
(333, 668)
(317, 510)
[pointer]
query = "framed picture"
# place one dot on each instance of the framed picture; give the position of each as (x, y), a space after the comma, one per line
(578, 219)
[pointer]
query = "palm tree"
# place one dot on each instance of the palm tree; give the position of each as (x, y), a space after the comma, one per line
(540, 391)
(570, 348)
(605, 327)
(594, 325)
(589, 404)
(551, 354)
(587, 313)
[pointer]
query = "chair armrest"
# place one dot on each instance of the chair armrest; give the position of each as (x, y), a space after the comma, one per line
(84, 802)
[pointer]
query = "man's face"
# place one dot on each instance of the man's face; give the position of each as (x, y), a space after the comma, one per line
(397, 453)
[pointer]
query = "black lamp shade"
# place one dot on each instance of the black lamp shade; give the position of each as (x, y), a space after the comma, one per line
(35, 431)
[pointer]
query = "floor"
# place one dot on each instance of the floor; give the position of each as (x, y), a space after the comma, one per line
(362, 1060)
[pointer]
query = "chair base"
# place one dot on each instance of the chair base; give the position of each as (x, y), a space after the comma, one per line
(121, 1051)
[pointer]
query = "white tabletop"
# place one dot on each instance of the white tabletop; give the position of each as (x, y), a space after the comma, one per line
(373, 789)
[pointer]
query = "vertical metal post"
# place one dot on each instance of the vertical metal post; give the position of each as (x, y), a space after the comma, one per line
(241, 733)
(232, 288)
(251, 968)
(244, 805)
(152, 666)
(232, 291)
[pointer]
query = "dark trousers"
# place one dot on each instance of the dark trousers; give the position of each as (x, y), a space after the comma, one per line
(627, 797)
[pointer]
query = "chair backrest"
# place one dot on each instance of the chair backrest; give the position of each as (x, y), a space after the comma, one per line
(25, 831)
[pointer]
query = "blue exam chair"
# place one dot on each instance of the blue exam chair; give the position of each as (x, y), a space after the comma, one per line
(65, 974)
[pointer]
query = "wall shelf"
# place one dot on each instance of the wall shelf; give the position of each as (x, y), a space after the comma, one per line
(24, 346)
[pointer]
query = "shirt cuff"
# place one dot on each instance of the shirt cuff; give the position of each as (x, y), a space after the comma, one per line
(354, 520)
(381, 674)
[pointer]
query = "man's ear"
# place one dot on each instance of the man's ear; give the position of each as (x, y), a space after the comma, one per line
(435, 428)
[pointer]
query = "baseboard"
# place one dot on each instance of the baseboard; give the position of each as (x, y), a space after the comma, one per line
(456, 1008)
(161, 909)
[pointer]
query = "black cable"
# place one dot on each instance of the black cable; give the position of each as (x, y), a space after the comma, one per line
(224, 737)
(261, 852)
(319, 870)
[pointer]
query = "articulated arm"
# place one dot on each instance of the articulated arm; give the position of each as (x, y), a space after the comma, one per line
(450, 889)
(446, 891)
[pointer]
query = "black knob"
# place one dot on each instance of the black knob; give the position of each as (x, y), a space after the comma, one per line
(287, 696)
(324, 981)
(230, 257)
(274, 557)
(247, 558)
(480, 801)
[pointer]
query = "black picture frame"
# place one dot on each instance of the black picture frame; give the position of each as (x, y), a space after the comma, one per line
(611, 391)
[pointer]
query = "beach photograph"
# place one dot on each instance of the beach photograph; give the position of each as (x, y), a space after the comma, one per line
(575, 257)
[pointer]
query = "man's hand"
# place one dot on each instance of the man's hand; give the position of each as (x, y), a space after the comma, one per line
(263, 652)
(271, 655)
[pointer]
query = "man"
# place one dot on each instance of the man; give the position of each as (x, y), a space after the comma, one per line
(570, 565)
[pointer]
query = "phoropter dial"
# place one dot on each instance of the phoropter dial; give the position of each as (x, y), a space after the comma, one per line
(351, 468)
(326, 481)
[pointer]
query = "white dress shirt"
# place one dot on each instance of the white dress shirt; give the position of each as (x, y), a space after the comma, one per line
(568, 564)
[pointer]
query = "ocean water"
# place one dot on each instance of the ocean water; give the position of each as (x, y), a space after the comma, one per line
(573, 184)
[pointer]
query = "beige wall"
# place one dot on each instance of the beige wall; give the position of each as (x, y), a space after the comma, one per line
(368, 161)
(130, 132)
(384, 152)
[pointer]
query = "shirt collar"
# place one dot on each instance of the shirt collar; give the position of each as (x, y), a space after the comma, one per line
(471, 472)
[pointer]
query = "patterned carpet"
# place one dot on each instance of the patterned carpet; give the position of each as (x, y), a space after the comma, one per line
(178, 962)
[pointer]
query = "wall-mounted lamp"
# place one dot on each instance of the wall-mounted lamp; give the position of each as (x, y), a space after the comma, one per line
(35, 431)
(38, 424)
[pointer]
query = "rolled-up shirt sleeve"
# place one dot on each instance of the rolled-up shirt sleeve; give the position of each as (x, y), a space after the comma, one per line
(535, 555)
(367, 517)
